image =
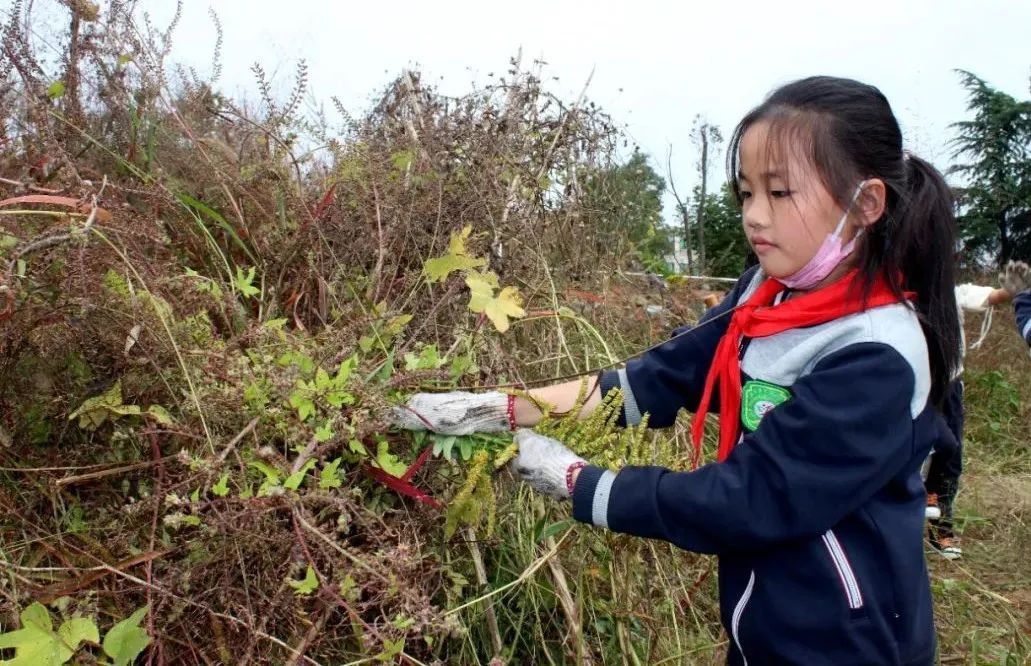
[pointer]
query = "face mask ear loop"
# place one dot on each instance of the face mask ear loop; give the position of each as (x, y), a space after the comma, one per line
(841, 222)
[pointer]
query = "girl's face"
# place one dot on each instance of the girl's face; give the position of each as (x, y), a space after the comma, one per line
(786, 210)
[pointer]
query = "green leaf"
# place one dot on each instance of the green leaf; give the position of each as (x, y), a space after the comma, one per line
(447, 447)
(55, 90)
(457, 259)
(323, 433)
(384, 371)
(293, 482)
(221, 489)
(303, 362)
(272, 474)
(349, 589)
(498, 309)
(96, 410)
(127, 640)
(302, 402)
(255, 396)
(322, 381)
(554, 528)
(356, 447)
(347, 366)
(391, 649)
(306, 586)
(161, 415)
(439, 268)
(461, 364)
(387, 461)
(36, 643)
(36, 615)
(244, 283)
(465, 446)
(329, 477)
(339, 398)
(402, 622)
(275, 324)
(265, 490)
(442, 445)
(204, 285)
(125, 410)
(200, 209)
(428, 359)
(77, 630)
(402, 159)
(397, 324)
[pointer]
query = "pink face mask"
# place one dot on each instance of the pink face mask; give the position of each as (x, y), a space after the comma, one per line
(829, 255)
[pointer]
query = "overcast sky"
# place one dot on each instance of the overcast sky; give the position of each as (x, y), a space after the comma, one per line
(656, 64)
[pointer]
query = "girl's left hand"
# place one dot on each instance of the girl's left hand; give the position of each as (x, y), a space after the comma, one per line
(546, 464)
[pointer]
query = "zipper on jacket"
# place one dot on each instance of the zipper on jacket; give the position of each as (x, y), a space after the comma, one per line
(849, 582)
(742, 343)
(739, 610)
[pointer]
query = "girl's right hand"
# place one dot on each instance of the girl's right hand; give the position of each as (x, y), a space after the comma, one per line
(455, 413)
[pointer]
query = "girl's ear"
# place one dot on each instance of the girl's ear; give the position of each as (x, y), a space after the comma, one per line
(871, 202)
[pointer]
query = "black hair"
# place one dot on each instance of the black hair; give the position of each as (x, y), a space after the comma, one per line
(848, 132)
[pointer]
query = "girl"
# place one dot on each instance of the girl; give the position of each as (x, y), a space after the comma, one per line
(946, 462)
(825, 364)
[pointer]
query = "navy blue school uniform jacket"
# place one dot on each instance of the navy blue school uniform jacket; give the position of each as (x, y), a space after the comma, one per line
(817, 515)
(1022, 306)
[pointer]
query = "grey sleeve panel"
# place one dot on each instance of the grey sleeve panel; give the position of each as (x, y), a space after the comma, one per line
(600, 504)
(630, 409)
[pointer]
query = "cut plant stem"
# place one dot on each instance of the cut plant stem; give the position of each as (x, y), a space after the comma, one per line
(481, 578)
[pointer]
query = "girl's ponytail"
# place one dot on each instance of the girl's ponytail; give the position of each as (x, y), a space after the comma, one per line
(924, 241)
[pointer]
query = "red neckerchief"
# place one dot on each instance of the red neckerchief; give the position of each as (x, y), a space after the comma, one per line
(757, 319)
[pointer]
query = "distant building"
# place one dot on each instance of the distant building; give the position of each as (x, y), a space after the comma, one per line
(677, 261)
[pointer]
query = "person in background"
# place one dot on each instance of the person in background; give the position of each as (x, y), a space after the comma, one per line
(1016, 279)
(946, 461)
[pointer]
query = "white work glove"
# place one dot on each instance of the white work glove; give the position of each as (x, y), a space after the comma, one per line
(1015, 277)
(454, 413)
(544, 463)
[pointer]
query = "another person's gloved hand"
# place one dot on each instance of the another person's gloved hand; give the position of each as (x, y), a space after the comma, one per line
(1015, 277)
(455, 413)
(546, 464)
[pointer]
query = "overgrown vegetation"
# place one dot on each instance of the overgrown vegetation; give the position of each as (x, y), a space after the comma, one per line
(210, 308)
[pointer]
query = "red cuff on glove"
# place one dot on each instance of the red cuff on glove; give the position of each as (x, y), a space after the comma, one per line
(569, 475)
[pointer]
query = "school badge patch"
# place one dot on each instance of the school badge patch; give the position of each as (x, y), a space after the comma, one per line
(758, 398)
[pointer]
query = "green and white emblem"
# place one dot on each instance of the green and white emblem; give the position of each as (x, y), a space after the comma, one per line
(757, 399)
